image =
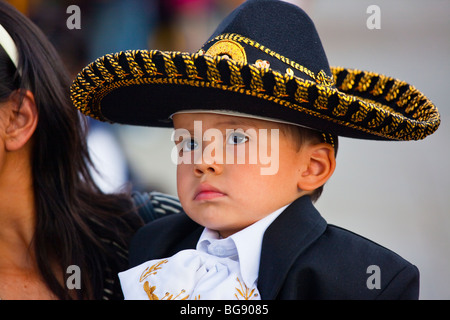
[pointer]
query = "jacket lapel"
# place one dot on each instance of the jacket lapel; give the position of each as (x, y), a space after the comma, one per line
(285, 239)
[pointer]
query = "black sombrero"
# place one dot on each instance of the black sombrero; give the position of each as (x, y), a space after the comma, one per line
(264, 59)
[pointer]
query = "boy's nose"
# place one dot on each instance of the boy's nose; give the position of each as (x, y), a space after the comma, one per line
(209, 160)
(207, 168)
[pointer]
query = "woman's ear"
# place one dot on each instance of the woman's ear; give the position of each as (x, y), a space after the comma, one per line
(319, 163)
(22, 120)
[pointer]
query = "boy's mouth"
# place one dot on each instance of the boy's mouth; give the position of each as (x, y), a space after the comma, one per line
(207, 192)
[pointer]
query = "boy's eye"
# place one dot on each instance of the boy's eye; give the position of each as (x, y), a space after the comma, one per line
(189, 145)
(237, 138)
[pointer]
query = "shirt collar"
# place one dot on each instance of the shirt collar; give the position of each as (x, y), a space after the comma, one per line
(243, 246)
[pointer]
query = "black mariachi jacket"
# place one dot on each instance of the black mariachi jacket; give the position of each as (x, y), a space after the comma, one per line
(302, 257)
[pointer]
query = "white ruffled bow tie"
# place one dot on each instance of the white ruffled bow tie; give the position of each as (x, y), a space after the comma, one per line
(187, 275)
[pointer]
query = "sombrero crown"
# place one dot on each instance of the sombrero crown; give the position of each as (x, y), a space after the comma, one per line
(265, 59)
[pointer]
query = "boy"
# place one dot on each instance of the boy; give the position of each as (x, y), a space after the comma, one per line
(254, 235)
(227, 197)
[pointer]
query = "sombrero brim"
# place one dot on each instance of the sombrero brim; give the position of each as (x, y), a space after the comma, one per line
(141, 87)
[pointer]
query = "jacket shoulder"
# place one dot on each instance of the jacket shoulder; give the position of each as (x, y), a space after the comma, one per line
(351, 266)
(358, 243)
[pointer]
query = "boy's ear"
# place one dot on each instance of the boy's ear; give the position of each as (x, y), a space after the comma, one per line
(22, 120)
(318, 165)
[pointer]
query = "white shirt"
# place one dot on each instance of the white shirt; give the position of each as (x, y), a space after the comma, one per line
(219, 269)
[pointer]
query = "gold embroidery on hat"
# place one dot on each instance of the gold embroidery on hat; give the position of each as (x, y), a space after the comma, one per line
(212, 72)
(321, 78)
(169, 64)
(263, 64)
(328, 138)
(191, 70)
(365, 81)
(279, 90)
(149, 65)
(235, 76)
(228, 48)
(379, 86)
(256, 82)
(344, 102)
(409, 115)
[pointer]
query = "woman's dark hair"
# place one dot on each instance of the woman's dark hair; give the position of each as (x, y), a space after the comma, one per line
(77, 224)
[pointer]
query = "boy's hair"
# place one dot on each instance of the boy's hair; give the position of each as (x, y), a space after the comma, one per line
(302, 135)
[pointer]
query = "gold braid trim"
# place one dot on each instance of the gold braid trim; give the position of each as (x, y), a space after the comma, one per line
(301, 94)
(364, 107)
(365, 82)
(379, 86)
(135, 69)
(280, 85)
(360, 115)
(256, 83)
(149, 65)
(212, 72)
(235, 74)
(322, 100)
(424, 121)
(191, 70)
(378, 120)
(349, 80)
(96, 80)
(321, 78)
(106, 75)
(169, 65)
(394, 91)
(344, 102)
(114, 62)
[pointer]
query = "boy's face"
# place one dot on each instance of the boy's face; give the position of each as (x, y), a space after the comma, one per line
(221, 181)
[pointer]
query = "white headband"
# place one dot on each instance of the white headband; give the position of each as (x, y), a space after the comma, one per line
(8, 45)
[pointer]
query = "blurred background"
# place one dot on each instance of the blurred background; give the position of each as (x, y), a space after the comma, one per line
(394, 193)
